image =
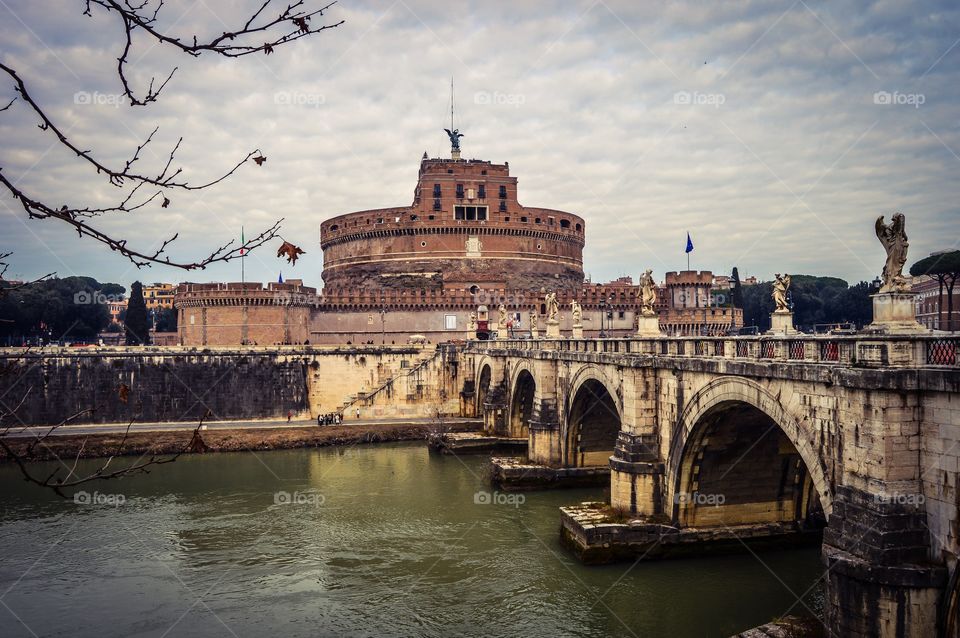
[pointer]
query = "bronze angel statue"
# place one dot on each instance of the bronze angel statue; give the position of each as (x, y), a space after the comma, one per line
(893, 237)
(455, 136)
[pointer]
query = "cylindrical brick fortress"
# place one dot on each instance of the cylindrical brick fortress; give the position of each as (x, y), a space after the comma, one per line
(465, 228)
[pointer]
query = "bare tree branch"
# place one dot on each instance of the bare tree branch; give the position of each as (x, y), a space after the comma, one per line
(5, 288)
(290, 24)
(65, 476)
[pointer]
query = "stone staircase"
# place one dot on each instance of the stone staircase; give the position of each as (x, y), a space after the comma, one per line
(367, 395)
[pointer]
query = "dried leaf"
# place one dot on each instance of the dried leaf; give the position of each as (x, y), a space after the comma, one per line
(302, 24)
(260, 160)
(292, 252)
(267, 48)
(166, 202)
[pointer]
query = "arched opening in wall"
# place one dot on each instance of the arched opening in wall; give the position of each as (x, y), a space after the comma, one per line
(740, 468)
(521, 405)
(593, 425)
(483, 387)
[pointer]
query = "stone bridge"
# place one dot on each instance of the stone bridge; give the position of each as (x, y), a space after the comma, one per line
(857, 436)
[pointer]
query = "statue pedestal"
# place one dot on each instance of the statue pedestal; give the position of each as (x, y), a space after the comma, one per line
(895, 313)
(533, 333)
(578, 332)
(648, 326)
(553, 329)
(781, 323)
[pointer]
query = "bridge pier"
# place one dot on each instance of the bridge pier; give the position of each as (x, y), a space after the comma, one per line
(636, 476)
(880, 581)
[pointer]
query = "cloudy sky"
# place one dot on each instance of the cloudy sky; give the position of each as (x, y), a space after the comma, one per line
(774, 132)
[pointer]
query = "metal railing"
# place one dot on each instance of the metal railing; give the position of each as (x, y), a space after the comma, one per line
(835, 349)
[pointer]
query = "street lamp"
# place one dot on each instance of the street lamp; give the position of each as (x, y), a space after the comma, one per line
(603, 314)
(610, 314)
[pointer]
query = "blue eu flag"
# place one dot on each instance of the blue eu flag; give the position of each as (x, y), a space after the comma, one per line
(689, 244)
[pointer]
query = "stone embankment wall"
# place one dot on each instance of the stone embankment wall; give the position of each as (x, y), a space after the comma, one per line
(149, 384)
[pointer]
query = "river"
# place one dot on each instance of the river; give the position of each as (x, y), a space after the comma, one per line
(367, 541)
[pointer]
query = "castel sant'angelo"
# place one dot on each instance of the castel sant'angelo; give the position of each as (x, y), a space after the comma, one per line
(464, 245)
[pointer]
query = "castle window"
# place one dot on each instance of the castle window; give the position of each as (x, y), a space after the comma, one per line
(578, 228)
(459, 191)
(523, 219)
(483, 172)
(470, 213)
(414, 218)
(564, 223)
(503, 205)
(507, 218)
(503, 192)
(334, 227)
(436, 190)
(431, 217)
(379, 220)
(551, 221)
(483, 191)
(436, 206)
(450, 171)
(536, 221)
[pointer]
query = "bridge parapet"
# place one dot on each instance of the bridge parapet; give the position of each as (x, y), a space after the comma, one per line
(871, 351)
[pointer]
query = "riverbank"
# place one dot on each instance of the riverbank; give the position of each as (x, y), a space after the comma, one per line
(93, 445)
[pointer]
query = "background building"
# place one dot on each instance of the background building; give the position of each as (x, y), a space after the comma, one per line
(159, 296)
(932, 304)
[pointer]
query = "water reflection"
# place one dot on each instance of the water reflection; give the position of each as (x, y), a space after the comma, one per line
(395, 546)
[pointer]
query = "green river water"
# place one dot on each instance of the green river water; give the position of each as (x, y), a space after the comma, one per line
(378, 541)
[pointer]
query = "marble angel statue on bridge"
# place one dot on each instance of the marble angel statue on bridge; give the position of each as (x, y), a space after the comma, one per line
(553, 307)
(648, 294)
(893, 237)
(781, 286)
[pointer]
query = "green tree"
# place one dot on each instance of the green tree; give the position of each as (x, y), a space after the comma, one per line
(166, 320)
(945, 268)
(54, 309)
(137, 323)
(815, 300)
(736, 294)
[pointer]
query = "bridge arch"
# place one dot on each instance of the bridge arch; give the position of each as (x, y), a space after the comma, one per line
(484, 379)
(736, 442)
(523, 390)
(593, 418)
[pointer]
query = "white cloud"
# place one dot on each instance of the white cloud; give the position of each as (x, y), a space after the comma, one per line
(589, 124)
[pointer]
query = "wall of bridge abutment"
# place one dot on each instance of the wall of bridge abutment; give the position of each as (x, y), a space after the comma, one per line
(868, 427)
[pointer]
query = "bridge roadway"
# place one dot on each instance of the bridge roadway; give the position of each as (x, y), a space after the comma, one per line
(725, 438)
